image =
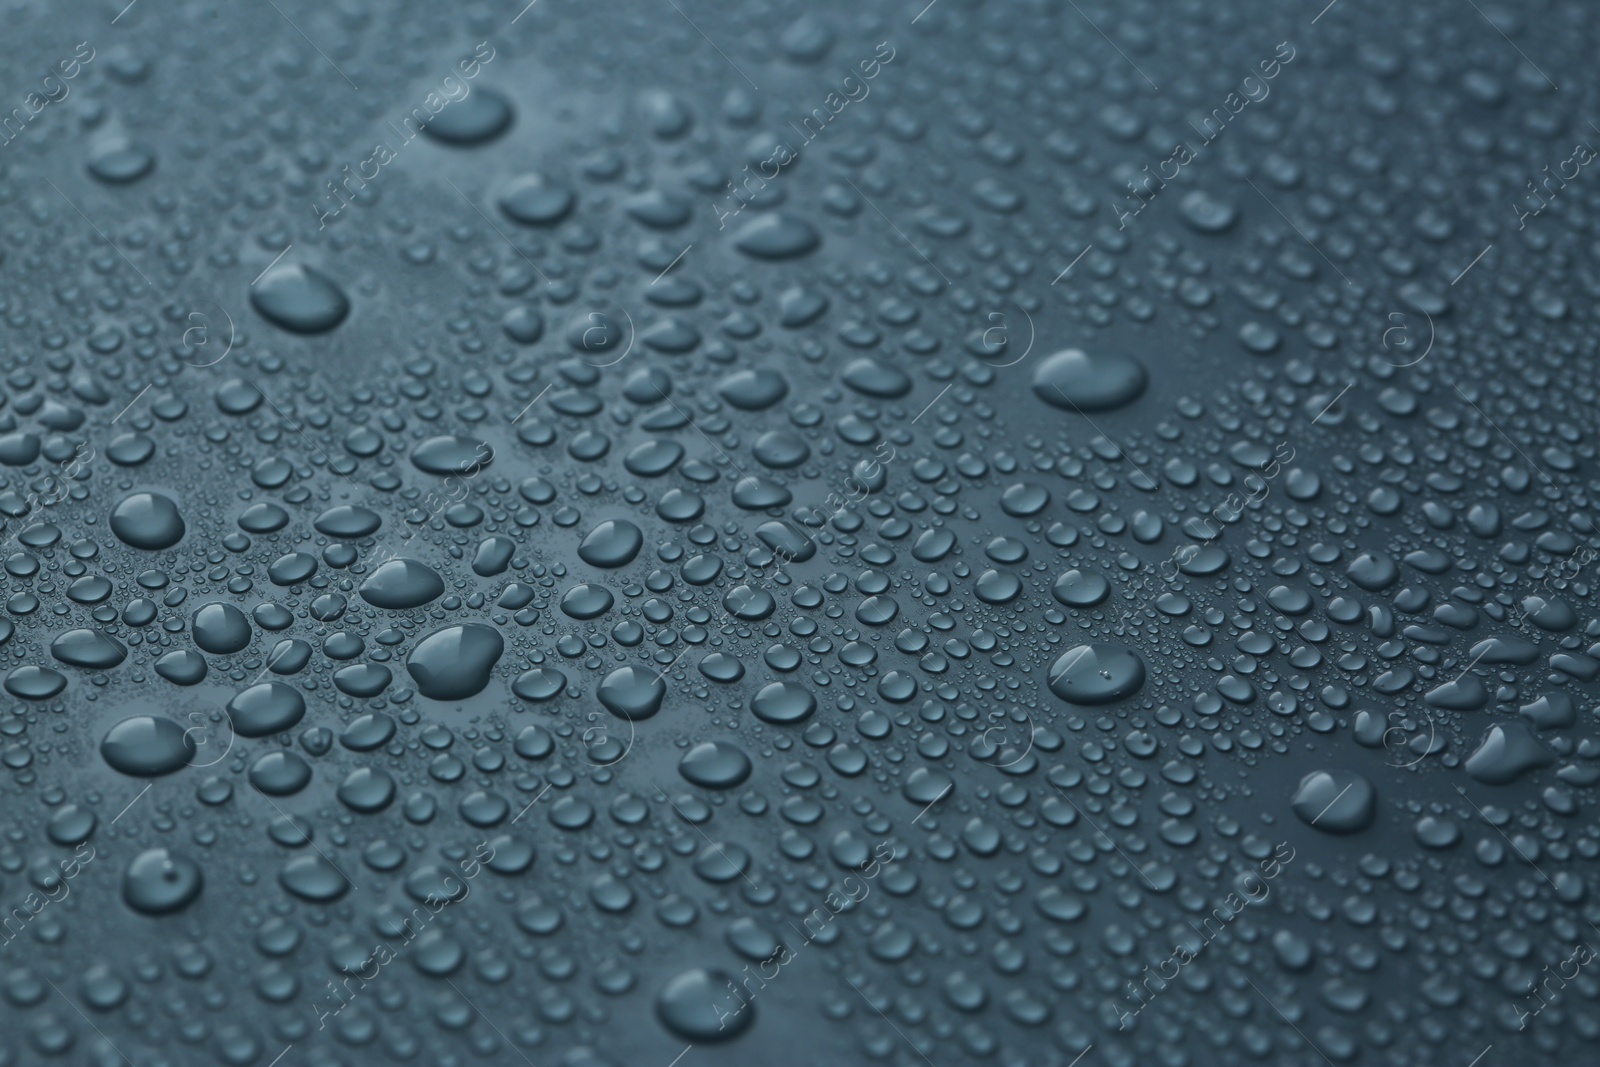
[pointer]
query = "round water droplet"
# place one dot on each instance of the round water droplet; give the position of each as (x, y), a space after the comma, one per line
(535, 199)
(700, 1005)
(35, 683)
(1205, 213)
(278, 774)
(1096, 673)
(1336, 802)
(783, 704)
(539, 684)
(455, 663)
(118, 161)
(313, 878)
(267, 708)
(220, 629)
(401, 584)
(587, 601)
(614, 543)
(753, 390)
(88, 648)
(632, 693)
(477, 118)
(715, 765)
(776, 236)
(348, 521)
(158, 882)
(366, 790)
(147, 746)
(299, 299)
(147, 520)
(1077, 589)
(451, 454)
(1074, 380)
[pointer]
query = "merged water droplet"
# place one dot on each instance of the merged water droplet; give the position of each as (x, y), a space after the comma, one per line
(456, 662)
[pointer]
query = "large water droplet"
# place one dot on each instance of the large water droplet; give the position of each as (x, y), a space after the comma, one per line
(535, 199)
(266, 708)
(401, 584)
(147, 746)
(147, 520)
(1096, 673)
(632, 693)
(700, 1005)
(783, 704)
(1338, 802)
(455, 663)
(776, 236)
(1074, 380)
(715, 765)
(88, 648)
(614, 543)
(477, 118)
(158, 882)
(451, 454)
(299, 299)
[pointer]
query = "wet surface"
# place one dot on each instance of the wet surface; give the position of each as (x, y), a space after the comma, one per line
(665, 534)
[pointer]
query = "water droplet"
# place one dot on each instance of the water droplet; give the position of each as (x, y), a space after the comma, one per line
(299, 299)
(159, 882)
(147, 520)
(1096, 673)
(1074, 380)
(147, 746)
(455, 663)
